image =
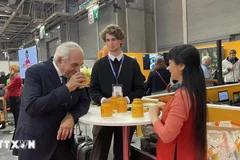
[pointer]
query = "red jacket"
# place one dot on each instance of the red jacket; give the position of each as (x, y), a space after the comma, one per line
(184, 143)
(15, 87)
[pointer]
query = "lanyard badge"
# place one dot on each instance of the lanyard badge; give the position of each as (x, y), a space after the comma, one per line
(119, 70)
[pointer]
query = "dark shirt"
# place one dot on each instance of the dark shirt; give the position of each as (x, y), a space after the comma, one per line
(102, 79)
(3, 80)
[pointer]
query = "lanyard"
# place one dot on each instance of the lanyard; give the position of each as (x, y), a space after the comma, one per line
(120, 68)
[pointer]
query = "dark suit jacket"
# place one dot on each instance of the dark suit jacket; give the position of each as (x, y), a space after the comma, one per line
(44, 104)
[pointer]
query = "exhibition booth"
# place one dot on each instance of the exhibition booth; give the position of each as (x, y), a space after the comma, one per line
(223, 121)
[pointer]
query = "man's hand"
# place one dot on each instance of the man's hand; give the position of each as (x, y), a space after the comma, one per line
(106, 100)
(230, 69)
(66, 128)
(75, 80)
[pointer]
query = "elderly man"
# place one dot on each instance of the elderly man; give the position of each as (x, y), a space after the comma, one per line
(51, 104)
(231, 68)
(206, 62)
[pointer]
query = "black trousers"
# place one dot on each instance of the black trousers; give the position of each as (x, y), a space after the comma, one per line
(15, 107)
(63, 151)
(102, 137)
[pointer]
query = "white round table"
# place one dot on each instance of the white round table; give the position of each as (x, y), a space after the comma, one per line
(118, 119)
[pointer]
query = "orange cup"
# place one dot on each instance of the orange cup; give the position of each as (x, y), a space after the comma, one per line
(85, 83)
(113, 101)
(0, 115)
(137, 100)
(106, 110)
(121, 105)
(137, 110)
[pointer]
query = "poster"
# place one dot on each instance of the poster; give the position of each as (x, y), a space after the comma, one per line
(27, 57)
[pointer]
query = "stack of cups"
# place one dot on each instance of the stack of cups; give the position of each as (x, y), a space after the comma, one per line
(137, 108)
(113, 101)
(122, 105)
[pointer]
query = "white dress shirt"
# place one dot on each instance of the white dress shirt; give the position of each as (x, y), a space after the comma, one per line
(58, 71)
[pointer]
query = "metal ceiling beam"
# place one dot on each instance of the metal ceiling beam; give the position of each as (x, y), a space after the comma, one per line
(13, 21)
(5, 15)
(13, 15)
(23, 17)
(17, 25)
(21, 30)
(49, 1)
(12, 33)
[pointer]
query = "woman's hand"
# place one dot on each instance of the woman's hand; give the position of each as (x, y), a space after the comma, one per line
(154, 111)
(161, 105)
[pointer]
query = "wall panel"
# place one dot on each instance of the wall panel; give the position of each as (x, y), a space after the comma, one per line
(169, 23)
(212, 19)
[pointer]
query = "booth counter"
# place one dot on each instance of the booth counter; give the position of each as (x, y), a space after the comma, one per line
(215, 112)
(212, 92)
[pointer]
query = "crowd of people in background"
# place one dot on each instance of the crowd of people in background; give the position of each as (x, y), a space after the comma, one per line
(12, 84)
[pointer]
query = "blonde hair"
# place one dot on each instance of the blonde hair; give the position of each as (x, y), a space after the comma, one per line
(15, 68)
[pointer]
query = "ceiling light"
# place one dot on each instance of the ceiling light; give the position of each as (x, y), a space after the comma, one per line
(7, 11)
(127, 3)
(116, 7)
(7, 38)
(39, 26)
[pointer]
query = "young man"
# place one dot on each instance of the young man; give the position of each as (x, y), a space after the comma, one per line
(113, 73)
(231, 68)
(51, 105)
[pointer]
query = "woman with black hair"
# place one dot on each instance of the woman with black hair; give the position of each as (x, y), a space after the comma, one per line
(182, 127)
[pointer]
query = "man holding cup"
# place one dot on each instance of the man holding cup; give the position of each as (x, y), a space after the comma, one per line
(51, 104)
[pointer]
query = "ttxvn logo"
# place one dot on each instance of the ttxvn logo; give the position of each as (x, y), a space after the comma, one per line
(17, 144)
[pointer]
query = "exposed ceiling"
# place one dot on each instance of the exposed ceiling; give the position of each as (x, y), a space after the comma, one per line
(19, 19)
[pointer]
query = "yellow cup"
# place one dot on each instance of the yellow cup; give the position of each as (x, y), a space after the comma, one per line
(85, 83)
(0, 115)
(113, 101)
(106, 110)
(137, 100)
(121, 105)
(137, 110)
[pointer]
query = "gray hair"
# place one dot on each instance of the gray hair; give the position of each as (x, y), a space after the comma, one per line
(64, 49)
(205, 59)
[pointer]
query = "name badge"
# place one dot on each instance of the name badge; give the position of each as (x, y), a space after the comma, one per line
(117, 90)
